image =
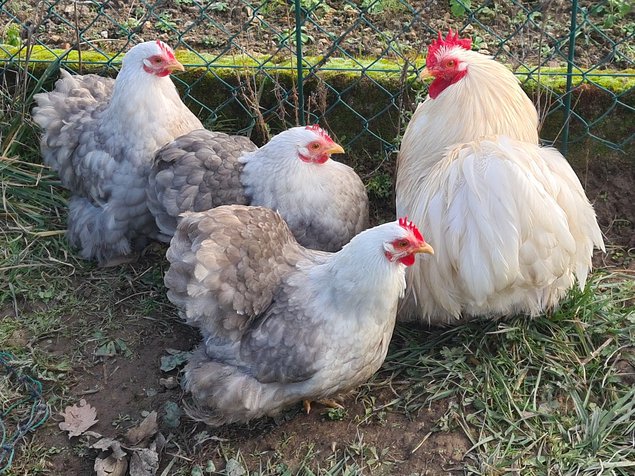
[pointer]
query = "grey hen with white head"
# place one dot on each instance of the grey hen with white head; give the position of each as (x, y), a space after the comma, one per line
(282, 323)
(324, 202)
(101, 135)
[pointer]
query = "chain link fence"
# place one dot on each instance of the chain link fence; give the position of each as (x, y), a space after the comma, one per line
(259, 66)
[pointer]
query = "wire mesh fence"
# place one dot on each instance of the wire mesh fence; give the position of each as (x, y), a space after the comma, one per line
(350, 64)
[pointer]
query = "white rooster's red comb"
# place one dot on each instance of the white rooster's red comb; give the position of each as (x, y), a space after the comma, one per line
(404, 223)
(318, 130)
(451, 39)
(166, 49)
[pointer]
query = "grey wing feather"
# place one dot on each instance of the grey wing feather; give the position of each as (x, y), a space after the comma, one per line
(346, 216)
(284, 344)
(68, 116)
(226, 265)
(196, 172)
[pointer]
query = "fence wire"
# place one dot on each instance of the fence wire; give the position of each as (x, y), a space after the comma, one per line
(272, 63)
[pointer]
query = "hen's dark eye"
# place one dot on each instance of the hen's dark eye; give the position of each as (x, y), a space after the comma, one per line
(450, 63)
(315, 146)
(403, 243)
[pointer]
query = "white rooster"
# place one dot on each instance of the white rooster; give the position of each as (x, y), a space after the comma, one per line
(324, 202)
(513, 227)
(101, 135)
(282, 323)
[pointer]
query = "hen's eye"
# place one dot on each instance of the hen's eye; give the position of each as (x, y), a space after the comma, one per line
(157, 60)
(315, 145)
(450, 63)
(402, 243)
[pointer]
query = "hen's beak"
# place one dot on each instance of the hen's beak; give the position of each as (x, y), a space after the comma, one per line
(425, 73)
(424, 248)
(335, 149)
(174, 65)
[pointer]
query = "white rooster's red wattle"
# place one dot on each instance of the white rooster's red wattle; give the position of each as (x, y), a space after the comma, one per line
(101, 135)
(512, 227)
(282, 323)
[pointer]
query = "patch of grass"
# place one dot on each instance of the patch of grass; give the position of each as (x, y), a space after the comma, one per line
(533, 394)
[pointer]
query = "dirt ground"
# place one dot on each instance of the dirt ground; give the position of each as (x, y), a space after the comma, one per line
(121, 388)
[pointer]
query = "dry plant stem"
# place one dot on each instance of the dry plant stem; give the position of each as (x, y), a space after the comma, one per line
(317, 104)
(278, 92)
(251, 96)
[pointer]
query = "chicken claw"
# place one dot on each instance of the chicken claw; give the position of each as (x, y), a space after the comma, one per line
(327, 402)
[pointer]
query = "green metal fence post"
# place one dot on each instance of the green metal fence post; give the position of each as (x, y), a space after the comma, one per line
(567, 97)
(298, 56)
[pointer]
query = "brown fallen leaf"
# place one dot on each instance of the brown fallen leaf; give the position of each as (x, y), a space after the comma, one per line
(78, 418)
(159, 443)
(143, 430)
(144, 462)
(105, 444)
(110, 466)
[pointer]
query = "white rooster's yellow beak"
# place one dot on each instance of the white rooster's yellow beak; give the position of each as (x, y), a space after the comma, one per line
(335, 149)
(174, 65)
(425, 74)
(424, 248)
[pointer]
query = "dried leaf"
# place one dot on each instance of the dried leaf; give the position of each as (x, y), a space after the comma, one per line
(144, 462)
(196, 471)
(172, 416)
(78, 419)
(174, 360)
(169, 382)
(106, 350)
(110, 466)
(143, 430)
(234, 468)
(159, 443)
(110, 444)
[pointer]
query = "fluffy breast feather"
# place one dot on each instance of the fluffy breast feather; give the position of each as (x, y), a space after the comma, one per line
(512, 229)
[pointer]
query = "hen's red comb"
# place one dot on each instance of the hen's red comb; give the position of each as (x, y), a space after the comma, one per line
(318, 130)
(404, 223)
(166, 49)
(451, 39)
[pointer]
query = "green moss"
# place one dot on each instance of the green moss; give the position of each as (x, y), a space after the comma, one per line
(386, 72)
(556, 79)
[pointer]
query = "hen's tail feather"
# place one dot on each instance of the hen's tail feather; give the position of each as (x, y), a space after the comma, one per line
(63, 114)
(104, 232)
(223, 394)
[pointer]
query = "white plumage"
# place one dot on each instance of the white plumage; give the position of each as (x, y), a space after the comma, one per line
(513, 227)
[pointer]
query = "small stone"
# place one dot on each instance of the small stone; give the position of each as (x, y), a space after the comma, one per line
(103, 34)
(169, 382)
(151, 392)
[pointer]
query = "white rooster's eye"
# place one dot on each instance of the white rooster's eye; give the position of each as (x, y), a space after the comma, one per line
(450, 63)
(402, 243)
(314, 145)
